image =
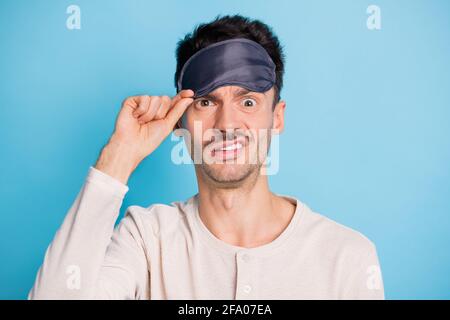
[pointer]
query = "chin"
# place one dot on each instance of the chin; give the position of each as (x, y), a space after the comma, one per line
(229, 175)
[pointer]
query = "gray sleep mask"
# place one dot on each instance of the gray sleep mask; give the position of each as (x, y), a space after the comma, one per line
(238, 61)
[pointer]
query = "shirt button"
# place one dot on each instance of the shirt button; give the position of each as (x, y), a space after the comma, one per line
(247, 289)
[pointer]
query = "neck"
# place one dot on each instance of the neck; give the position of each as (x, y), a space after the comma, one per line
(249, 215)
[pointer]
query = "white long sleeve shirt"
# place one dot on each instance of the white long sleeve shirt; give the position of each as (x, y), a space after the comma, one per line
(166, 252)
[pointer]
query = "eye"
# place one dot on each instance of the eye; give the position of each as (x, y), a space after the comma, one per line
(248, 102)
(204, 103)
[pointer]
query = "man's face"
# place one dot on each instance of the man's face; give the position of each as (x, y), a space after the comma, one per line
(232, 128)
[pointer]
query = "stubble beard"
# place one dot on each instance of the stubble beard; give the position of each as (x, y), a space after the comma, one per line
(233, 176)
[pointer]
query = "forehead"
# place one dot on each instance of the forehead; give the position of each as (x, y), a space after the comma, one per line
(235, 91)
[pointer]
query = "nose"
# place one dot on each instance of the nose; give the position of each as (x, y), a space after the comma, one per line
(226, 118)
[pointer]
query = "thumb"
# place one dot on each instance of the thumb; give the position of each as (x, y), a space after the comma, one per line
(177, 111)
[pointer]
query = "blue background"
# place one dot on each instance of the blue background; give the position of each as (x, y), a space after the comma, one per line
(367, 139)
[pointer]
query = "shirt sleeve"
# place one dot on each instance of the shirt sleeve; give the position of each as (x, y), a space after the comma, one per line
(365, 281)
(88, 258)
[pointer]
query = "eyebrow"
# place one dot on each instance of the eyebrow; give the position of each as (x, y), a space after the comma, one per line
(237, 93)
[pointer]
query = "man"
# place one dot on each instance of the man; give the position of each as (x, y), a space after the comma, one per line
(235, 239)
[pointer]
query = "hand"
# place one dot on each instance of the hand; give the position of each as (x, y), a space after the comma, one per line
(141, 126)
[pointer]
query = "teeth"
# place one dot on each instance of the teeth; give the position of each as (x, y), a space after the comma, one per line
(232, 147)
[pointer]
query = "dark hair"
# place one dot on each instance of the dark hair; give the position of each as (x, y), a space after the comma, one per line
(229, 27)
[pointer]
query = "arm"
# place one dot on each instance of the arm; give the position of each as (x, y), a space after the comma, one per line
(365, 280)
(87, 259)
(83, 262)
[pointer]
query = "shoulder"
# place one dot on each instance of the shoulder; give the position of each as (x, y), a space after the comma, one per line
(334, 237)
(159, 216)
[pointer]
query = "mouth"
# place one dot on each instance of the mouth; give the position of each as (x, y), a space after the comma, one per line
(229, 149)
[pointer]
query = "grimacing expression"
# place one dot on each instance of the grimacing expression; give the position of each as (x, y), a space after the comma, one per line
(235, 132)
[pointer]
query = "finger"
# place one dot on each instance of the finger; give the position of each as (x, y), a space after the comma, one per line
(177, 111)
(154, 104)
(182, 94)
(132, 102)
(143, 105)
(164, 108)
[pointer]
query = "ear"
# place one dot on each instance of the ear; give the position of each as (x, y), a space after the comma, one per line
(278, 116)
